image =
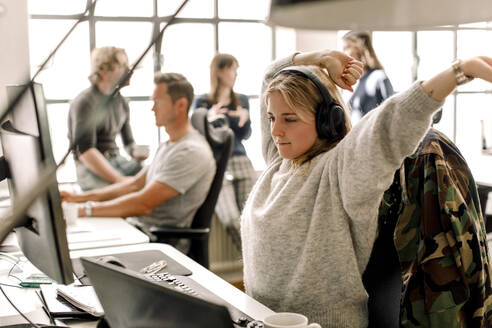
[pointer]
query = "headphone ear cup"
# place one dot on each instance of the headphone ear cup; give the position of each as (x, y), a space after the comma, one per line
(330, 122)
(323, 122)
(338, 121)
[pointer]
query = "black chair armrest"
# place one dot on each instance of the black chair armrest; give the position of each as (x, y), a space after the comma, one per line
(171, 232)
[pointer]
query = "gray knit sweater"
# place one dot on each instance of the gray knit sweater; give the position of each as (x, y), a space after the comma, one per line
(307, 235)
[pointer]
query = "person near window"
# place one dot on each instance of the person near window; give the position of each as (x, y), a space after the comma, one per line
(222, 101)
(97, 158)
(172, 188)
(309, 224)
(374, 85)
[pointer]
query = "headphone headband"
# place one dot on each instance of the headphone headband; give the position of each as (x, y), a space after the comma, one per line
(305, 72)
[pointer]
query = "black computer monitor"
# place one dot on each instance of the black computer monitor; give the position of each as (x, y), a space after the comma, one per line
(27, 151)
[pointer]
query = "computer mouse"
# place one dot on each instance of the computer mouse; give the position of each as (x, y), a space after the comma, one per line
(111, 260)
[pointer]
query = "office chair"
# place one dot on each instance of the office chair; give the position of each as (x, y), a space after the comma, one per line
(483, 194)
(383, 281)
(221, 142)
(382, 278)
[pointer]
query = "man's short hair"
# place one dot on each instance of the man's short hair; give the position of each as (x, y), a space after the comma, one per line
(106, 59)
(177, 86)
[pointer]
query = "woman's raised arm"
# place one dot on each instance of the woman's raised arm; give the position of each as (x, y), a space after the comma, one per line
(442, 84)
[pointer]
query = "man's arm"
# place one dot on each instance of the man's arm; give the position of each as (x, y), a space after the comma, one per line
(141, 202)
(127, 186)
(98, 164)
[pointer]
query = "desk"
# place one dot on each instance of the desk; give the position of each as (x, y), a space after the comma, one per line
(103, 232)
(30, 305)
(98, 232)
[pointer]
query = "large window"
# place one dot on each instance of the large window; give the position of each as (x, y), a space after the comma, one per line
(203, 27)
(237, 27)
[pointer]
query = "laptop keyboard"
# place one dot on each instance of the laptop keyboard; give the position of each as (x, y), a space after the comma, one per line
(174, 282)
(192, 288)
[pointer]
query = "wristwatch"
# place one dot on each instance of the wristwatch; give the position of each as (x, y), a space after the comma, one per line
(88, 209)
(461, 78)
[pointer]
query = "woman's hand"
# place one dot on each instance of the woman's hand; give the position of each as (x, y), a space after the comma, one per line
(242, 113)
(478, 67)
(344, 70)
(218, 109)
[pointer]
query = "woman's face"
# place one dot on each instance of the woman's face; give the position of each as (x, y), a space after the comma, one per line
(352, 49)
(292, 136)
(227, 75)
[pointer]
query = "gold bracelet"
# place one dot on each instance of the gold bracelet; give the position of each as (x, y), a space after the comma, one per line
(461, 78)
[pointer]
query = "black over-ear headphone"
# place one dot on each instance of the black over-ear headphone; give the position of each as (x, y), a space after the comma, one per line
(330, 116)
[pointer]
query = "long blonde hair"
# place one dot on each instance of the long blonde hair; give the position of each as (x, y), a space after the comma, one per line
(303, 97)
(219, 62)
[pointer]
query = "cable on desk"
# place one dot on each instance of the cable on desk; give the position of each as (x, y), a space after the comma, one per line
(8, 257)
(7, 285)
(15, 307)
(12, 268)
(78, 278)
(45, 308)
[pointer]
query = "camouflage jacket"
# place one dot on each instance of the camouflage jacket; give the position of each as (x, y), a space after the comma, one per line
(440, 239)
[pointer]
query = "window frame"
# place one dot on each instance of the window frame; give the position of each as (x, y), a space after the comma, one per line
(156, 22)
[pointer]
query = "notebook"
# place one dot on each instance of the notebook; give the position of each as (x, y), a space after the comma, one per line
(59, 307)
(82, 297)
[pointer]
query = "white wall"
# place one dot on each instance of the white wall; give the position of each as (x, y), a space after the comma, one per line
(14, 56)
(14, 48)
(309, 40)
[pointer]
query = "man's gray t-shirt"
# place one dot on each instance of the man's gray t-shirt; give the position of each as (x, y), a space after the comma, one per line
(188, 166)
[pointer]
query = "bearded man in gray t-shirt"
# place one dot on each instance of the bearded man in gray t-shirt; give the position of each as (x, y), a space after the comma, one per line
(173, 187)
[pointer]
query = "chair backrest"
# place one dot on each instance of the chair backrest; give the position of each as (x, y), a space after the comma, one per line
(382, 277)
(383, 282)
(221, 141)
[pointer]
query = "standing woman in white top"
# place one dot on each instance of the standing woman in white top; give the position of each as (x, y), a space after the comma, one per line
(310, 222)
(240, 176)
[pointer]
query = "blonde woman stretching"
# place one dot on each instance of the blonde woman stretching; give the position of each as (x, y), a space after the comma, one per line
(310, 221)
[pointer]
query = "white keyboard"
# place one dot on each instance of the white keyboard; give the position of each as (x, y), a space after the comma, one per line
(89, 236)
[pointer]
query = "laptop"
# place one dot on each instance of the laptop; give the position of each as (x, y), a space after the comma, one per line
(132, 300)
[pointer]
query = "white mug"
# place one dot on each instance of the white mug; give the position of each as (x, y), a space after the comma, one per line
(70, 213)
(288, 320)
(141, 150)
